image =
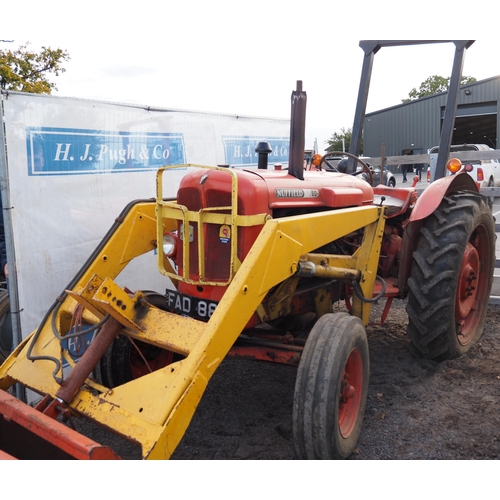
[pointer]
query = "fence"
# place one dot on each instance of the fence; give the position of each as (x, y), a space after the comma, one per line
(495, 299)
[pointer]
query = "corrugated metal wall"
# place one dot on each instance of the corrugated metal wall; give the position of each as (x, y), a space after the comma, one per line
(417, 125)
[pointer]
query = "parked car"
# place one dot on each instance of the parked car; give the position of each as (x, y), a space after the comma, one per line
(386, 177)
(484, 172)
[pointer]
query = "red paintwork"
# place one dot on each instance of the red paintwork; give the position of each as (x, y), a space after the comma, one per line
(430, 199)
(351, 389)
(334, 190)
(17, 416)
(282, 356)
(258, 193)
(471, 284)
(146, 358)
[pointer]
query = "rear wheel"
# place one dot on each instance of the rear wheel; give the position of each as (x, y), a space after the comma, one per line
(127, 359)
(451, 277)
(331, 388)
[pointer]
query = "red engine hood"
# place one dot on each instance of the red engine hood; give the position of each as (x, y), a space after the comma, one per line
(316, 190)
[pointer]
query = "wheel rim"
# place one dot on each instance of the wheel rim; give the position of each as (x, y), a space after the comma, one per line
(146, 358)
(351, 389)
(474, 274)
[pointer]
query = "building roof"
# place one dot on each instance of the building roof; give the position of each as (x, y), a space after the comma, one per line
(435, 96)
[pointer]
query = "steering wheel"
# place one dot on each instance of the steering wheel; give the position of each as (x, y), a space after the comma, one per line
(366, 169)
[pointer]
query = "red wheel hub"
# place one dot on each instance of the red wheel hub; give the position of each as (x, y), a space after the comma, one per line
(467, 285)
(351, 388)
(146, 358)
(472, 285)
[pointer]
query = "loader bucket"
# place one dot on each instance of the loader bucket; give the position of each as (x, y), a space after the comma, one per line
(28, 434)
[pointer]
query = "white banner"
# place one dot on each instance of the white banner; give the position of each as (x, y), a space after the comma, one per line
(73, 165)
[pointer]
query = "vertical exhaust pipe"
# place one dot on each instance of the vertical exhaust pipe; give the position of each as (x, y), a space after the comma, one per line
(297, 133)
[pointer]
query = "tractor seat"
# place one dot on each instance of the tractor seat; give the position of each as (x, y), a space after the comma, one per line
(393, 205)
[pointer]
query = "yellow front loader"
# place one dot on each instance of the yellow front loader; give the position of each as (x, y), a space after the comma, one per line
(155, 409)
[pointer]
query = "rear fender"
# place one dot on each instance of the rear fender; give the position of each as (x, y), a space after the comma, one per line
(430, 199)
(426, 204)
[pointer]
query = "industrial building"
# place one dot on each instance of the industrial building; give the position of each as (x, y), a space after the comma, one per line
(415, 127)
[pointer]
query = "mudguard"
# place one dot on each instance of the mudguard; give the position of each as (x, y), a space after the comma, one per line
(430, 199)
(426, 204)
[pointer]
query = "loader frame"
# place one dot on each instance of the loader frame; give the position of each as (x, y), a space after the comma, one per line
(155, 410)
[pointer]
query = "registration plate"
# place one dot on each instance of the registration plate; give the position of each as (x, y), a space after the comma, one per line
(189, 306)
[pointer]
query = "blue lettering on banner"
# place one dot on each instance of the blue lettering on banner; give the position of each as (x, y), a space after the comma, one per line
(77, 346)
(56, 151)
(240, 150)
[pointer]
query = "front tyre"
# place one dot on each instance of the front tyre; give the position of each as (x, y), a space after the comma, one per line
(451, 277)
(331, 388)
(127, 360)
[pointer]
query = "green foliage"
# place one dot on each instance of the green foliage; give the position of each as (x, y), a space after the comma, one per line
(434, 85)
(340, 141)
(26, 70)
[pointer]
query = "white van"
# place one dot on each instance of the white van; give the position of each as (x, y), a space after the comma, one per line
(485, 172)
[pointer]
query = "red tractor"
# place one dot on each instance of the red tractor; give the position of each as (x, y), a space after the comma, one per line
(257, 258)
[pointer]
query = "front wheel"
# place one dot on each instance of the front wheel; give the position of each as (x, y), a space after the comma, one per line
(451, 277)
(331, 388)
(127, 360)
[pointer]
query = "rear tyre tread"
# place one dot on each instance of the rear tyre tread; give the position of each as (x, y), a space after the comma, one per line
(434, 281)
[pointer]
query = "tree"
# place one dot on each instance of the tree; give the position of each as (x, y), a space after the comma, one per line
(26, 70)
(434, 85)
(340, 141)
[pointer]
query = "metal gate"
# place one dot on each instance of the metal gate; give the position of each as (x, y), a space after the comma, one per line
(495, 289)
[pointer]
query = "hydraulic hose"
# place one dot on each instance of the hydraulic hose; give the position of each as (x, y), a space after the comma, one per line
(359, 293)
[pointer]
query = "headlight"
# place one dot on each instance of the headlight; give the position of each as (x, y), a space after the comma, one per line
(169, 244)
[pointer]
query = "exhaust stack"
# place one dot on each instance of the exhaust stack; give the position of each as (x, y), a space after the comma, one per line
(297, 132)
